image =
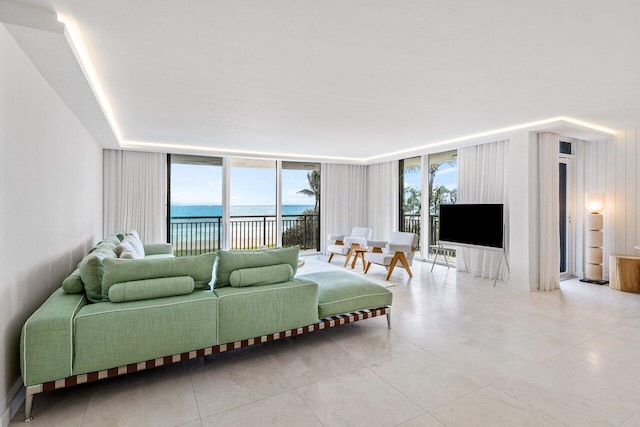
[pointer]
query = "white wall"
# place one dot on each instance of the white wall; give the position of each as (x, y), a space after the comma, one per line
(613, 167)
(50, 196)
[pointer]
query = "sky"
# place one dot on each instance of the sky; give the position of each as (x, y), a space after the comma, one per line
(446, 176)
(202, 185)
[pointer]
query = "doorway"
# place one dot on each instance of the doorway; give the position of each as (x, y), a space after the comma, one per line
(566, 217)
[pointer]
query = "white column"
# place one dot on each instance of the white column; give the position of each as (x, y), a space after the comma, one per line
(522, 173)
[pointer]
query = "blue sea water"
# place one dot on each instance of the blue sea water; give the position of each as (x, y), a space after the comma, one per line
(237, 210)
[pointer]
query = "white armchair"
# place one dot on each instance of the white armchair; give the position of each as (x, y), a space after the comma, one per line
(400, 248)
(340, 244)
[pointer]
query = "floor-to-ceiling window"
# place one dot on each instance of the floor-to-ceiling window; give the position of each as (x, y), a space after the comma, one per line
(442, 175)
(194, 217)
(256, 215)
(301, 205)
(411, 195)
(253, 204)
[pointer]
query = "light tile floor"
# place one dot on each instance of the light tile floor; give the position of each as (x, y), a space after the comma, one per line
(460, 353)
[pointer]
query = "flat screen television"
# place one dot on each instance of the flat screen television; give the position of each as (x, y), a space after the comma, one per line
(479, 224)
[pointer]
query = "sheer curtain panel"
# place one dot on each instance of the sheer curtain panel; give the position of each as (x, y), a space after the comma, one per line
(549, 183)
(135, 193)
(383, 199)
(481, 179)
(343, 191)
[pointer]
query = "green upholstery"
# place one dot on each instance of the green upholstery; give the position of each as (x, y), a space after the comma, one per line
(255, 311)
(113, 239)
(200, 267)
(151, 288)
(46, 343)
(73, 283)
(91, 271)
(114, 334)
(228, 261)
(257, 276)
(157, 249)
(158, 256)
(342, 292)
(156, 312)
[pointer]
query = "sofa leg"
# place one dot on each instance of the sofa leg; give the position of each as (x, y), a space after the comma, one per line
(28, 402)
(388, 319)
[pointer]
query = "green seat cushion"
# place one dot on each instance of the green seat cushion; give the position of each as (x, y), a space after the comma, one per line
(151, 288)
(108, 335)
(343, 292)
(73, 283)
(257, 276)
(200, 267)
(229, 261)
(255, 311)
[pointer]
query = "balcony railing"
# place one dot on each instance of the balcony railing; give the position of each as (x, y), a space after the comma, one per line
(197, 235)
(412, 224)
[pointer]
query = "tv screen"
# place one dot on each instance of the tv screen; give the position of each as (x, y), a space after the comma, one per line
(472, 224)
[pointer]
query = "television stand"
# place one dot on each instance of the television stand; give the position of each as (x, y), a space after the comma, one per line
(439, 250)
(502, 255)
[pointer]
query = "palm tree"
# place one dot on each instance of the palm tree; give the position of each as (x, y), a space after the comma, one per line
(313, 178)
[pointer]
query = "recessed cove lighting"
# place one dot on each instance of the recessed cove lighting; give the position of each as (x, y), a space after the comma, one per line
(79, 48)
(81, 52)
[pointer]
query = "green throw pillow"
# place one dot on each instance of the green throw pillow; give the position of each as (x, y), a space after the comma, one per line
(73, 283)
(229, 261)
(151, 288)
(256, 276)
(91, 271)
(199, 267)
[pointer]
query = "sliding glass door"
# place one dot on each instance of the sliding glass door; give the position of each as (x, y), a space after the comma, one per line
(253, 204)
(301, 205)
(269, 203)
(194, 194)
(411, 196)
(442, 177)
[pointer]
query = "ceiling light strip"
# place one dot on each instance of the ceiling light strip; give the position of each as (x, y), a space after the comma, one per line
(496, 132)
(166, 146)
(79, 48)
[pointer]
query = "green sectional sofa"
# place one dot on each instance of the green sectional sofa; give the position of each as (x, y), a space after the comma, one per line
(114, 316)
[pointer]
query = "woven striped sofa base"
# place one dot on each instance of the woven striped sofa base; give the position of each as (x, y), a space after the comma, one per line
(325, 323)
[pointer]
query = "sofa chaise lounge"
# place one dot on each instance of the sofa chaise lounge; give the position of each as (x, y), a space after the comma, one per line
(114, 316)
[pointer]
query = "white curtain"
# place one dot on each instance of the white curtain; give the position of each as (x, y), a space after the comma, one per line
(481, 179)
(383, 199)
(135, 194)
(343, 192)
(549, 213)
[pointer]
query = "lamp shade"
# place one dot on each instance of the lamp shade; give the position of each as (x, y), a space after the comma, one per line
(594, 202)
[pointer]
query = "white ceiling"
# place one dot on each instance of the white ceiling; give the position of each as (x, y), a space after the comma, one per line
(356, 78)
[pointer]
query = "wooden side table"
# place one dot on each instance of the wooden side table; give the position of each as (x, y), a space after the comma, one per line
(359, 253)
(624, 273)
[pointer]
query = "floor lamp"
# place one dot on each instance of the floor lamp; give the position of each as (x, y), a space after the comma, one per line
(594, 202)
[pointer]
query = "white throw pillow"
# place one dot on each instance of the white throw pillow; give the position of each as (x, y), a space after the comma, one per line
(136, 242)
(127, 250)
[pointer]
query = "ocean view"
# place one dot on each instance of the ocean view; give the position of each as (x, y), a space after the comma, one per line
(237, 210)
(198, 228)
